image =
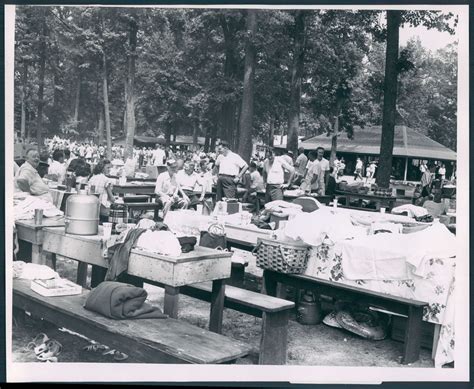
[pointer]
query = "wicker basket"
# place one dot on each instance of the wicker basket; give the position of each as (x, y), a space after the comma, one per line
(282, 257)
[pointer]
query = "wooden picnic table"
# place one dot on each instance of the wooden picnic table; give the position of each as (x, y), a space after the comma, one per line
(380, 201)
(143, 188)
(32, 233)
(200, 265)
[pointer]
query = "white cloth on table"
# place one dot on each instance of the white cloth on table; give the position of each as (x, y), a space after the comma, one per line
(278, 204)
(25, 209)
(33, 271)
(373, 257)
(412, 210)
(387, 256)
(160, 242)
(314, 227)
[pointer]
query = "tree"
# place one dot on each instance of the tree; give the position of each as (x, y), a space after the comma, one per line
(390, 99)
(130, 87)
(296, 76)
(246, 115)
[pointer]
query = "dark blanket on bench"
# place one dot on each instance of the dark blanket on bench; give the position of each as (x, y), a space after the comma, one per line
(121, 301)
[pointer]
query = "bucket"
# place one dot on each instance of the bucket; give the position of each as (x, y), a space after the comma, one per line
(309, 310)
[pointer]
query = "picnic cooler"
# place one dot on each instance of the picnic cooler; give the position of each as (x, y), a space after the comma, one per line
(283, 257)
(118, 215)
(82, 214)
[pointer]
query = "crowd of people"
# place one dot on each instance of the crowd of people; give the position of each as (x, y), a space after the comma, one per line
(190, 174)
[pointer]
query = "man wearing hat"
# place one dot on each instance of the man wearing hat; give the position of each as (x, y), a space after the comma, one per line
(168, 189)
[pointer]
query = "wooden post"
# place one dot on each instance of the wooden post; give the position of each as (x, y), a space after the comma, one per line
(413, 335)
(171, 302)
(273, 343)
(82, 274)
(217, 306)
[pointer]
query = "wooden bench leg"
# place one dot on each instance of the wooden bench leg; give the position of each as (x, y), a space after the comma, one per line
(54, 261)
(413, 335)
(217, 306)
(171, 302)
(82, 274)
(434, 348)
(273, 344)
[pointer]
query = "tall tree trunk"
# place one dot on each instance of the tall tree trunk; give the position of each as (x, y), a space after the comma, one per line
(77, 101)
(389, 99)
(246, 116)
(229, 107)
(207, 140)
(100, 127)
(130, 90)
(271, 131)
(41, 75)
(335, 132)
(24, 82)
(106, 107)
(295, 86)
(195, 134)
(213, 138)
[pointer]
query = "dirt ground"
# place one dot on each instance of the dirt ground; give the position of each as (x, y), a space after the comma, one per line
(310, 345)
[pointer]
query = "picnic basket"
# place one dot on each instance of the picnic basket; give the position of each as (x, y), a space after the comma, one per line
(283, 257)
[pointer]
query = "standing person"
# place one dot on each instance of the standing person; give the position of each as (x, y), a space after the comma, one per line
(370, 171)
(323, 165)
(442, 172)
(358, 169)
(230, 168)
(274, 176)
(342, 167)
(58, 167)
(426, 180)
(310, 181)
(300, 165)
(168, 189)
(159, 156)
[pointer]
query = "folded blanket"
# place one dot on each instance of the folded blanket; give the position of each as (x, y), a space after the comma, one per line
(121, 301)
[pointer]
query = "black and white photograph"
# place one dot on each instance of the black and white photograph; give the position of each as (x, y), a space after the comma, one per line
(279, 193)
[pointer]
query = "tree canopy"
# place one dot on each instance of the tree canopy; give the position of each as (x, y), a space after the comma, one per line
(84, 71)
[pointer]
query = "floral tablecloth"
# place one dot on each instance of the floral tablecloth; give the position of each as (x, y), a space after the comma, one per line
(436, 288)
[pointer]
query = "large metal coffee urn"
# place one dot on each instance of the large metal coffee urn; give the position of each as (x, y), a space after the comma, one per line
(82, 214)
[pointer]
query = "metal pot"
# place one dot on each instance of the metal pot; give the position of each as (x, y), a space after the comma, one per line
(82, 214)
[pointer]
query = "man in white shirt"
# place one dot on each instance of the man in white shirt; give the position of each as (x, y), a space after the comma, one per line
(274, 176)
(159, 156)
(167, 189)
(256, 183)
(230, 168)
(358, 169)
(313, 171)
(188, 180)
(57, 169)
(323, 164)
(300, 165)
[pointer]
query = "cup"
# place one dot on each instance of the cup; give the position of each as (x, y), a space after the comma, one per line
(38, 216)
(382, 210)
(107, 230)
(199, 208)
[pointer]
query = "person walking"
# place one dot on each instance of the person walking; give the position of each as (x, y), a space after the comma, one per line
(358, 169)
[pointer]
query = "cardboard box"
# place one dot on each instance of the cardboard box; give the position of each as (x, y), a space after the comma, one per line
(55, 287)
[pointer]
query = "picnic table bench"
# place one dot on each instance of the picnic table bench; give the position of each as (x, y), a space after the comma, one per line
(145, 340)
(274, 312)
(200, 265)
(412, 309)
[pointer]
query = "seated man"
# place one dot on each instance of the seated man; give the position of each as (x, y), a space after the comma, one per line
(188, 179)
(256, 183)
(28, 178)
(167, 189)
